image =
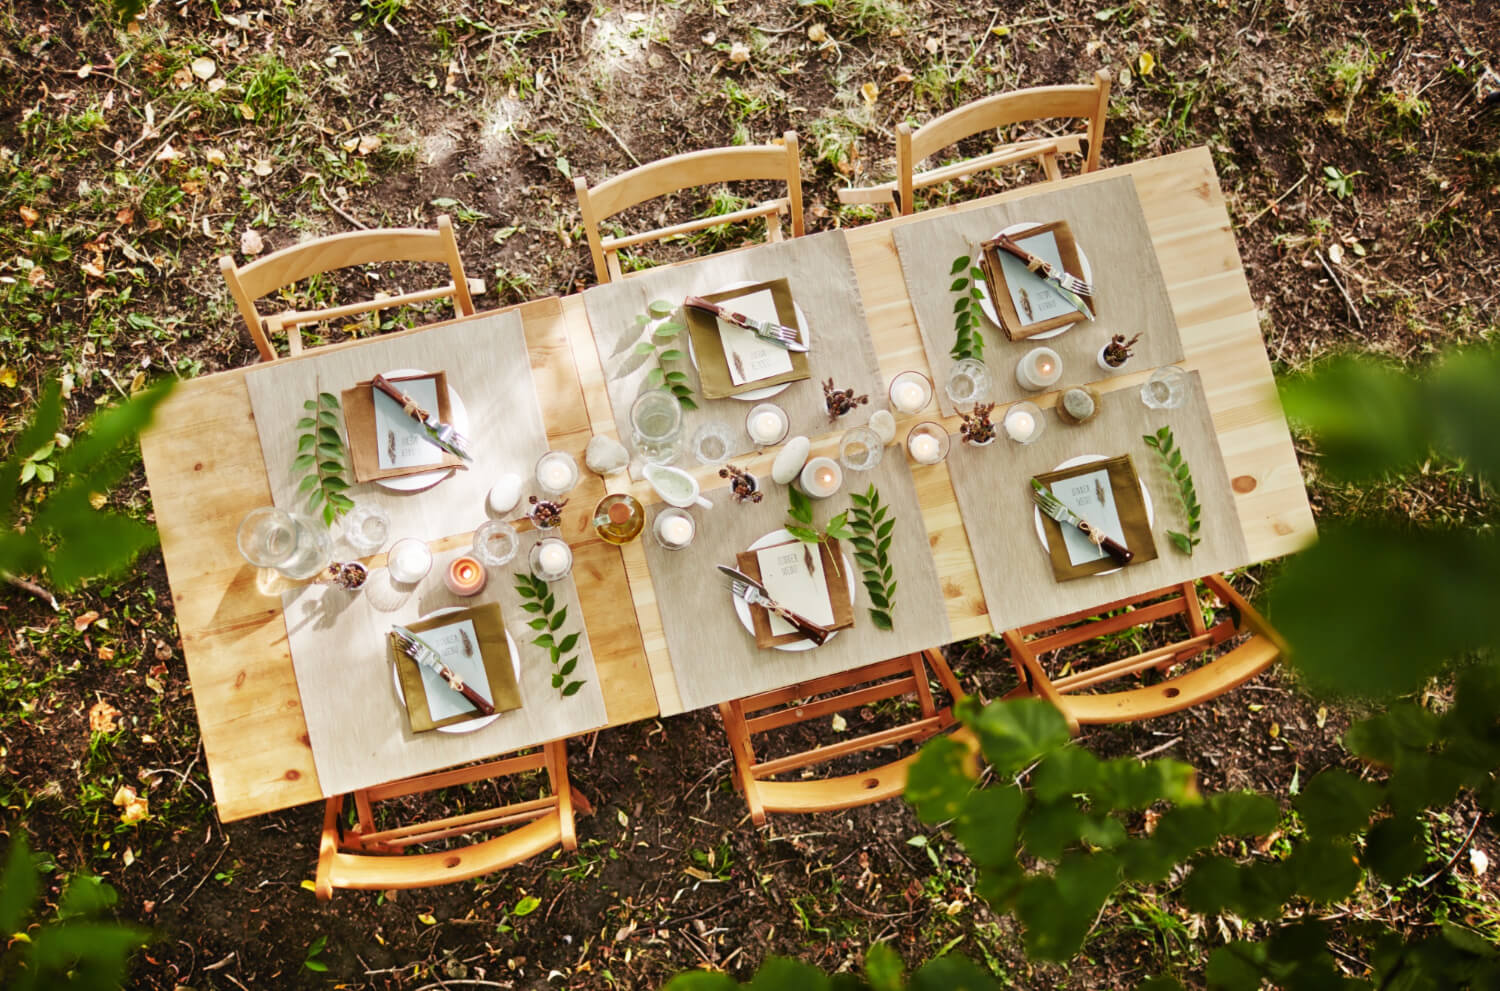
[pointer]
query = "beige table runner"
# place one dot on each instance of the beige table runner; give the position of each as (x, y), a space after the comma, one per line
(994, 498)
(823, 285)
(1130, 296)
(356, 724)
(715, 659)
(486, 364)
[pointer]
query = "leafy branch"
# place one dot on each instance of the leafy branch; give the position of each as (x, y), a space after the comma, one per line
(661, 345)
(321, 456)
(537, 598)
(967, 313)
(1164, 445)
(872, 545)
(801, 527)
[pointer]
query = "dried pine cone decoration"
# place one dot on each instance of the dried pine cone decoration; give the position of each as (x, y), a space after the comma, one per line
(545, 514)
(743, 487)
(349, 576)
(976, 427)
(840, 401)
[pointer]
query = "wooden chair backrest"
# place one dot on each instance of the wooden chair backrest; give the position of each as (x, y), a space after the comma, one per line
(747, 718)
(1029, 644)
(748, 163)
(370, 858)
(1089, 103)
(248, 283)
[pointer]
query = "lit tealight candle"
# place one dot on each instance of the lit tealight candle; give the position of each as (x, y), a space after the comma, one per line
(924, 448)
(465, 576)
(553, 559)
(766, 427)
(556, 472)
(677, 531)
(1039, 369)
(821, 477)
(1023, 423)
(910, 392)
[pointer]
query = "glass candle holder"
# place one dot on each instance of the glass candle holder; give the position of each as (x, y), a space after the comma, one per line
(366, 528)
(551, 559)
(294, 545)
(1023, 422)
(409, 560)
(968, 382)
(556, 473)
(495, 543)
(713, 443)
(927, 443)
(674, 529)
(910, 392)
(1166, 388)
(1038, 369)
(821, 477)
(767, 424)
(465, 576)
(860, 449)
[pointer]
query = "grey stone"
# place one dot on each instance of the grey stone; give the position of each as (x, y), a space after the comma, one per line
(605, 455)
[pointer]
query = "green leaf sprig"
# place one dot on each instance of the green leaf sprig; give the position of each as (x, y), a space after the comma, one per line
(321, 456)
(1163, 443)
(661, 344)
(801, 513)
(538, 599)
(967, 313)
(872, 546)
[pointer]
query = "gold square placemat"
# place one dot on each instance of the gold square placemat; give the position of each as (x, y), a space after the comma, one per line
(364, 446)
(1128, 504)
(503, 691)
(837, 576)
(714, 380)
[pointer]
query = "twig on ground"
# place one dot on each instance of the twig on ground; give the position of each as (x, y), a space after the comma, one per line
(323, 192)
(611, 132)
(1478, 818)
(26, 585)
(1251, 222)
(1348, 301)
(1158, 749)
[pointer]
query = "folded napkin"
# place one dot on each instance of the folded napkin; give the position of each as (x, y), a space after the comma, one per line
(1122, 499)
(835, 573)
(1025, 303)
(714, 378)
(365, 440)
(472, 642)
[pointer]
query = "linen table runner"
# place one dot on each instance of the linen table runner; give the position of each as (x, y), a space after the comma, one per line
(1130, 295)
(715, 659)
(356, 723)
(820, 272)
(993, 486)
(486, 364)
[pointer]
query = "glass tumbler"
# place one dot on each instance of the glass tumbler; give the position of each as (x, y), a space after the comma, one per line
(860, 449)
(968, 382)
(294, 545)
(1166, 388)
(656, 426)
(495, 543)
(366, 528)
(713, 443)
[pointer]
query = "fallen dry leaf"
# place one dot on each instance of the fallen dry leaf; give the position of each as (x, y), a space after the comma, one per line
(217, 83)
(29, 216)
(251, 242)
(102, 718)
(133, 807)
(739, 52)
(870, 92)
(125, 215)
(86, 620)
(1146, 64)
(204, 67)
(369, 143)
(262, 167)
(817, 33)
(106, 653)
(1478, 860)
(213, 156)
(8, 374)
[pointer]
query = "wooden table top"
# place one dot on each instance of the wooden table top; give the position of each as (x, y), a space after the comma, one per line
(205, 470)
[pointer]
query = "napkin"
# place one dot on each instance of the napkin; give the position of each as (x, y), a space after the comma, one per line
(1124, 497)
(714, 378)
(1026, 304)
(472, 642)
(837, 587)
(364, 444)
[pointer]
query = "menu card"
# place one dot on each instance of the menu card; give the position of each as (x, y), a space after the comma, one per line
(751, 358)
(1091, 497)
(401, 442)
(793, 575)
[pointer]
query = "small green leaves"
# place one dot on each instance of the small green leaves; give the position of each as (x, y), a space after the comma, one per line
(1163, 443)
(661, 344)
(537, 598)
(321, 455)
(870, 533)
(967, 313)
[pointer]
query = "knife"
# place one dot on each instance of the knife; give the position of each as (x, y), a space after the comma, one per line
(410, 645)
(1047, 273)
(754, 593)
(1053, 507)
(438, 433)
(767, 330)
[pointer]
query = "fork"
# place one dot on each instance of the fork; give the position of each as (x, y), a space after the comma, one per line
(755, 597)
(428, 658)
(1053, 507)
(1067, 280)
(787, 337)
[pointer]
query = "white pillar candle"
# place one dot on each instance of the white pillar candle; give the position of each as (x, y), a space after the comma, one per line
(765, 427)
(1023, 423)
(924, 448)
(410, 560)
(556, 472)
(554, 557)
(1038, 369)
(821, 477)
(677, 531)
(910, 392)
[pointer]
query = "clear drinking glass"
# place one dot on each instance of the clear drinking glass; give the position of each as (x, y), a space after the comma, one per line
(713, 443)
(294, 545)
(968, 382)
(656, 426)
(860, 449)
(366, 528)
(1166, 388)
(495, 543)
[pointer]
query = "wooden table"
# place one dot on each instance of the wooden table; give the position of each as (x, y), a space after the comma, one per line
(204, 465)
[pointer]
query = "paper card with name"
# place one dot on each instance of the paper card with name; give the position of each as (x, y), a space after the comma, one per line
(793, 575)
(1091, 497)
(1034, 298)
(749, 357)
(459, 645)
(402, 441)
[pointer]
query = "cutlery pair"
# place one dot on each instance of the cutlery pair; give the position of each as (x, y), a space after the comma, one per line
(767, 330)
(439, 434)
(409, 645)
(754, 593)
(1070, 286)
(1053, 507)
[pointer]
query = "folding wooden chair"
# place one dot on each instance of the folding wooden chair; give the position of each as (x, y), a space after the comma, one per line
(1090, 103)
(775, 163)
(373, 858)
(325, 254)
(1072, 693)
(756, 715)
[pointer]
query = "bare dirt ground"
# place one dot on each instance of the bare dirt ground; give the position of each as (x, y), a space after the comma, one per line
(1362, 171)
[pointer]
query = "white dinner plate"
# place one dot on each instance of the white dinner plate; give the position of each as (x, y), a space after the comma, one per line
(1083, 459)
(459, 417)
(770, 390)
(471, 725)
(988, 305)
(742, 608)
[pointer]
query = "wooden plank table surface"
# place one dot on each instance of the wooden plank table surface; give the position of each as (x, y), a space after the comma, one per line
(205, 470)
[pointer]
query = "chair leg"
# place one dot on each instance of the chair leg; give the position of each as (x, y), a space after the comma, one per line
(328, 848)
(744, 757)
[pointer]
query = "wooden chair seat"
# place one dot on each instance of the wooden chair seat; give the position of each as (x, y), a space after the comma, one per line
(1075, 694)
(784, 708)
(364, 857)
(1089, 103)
